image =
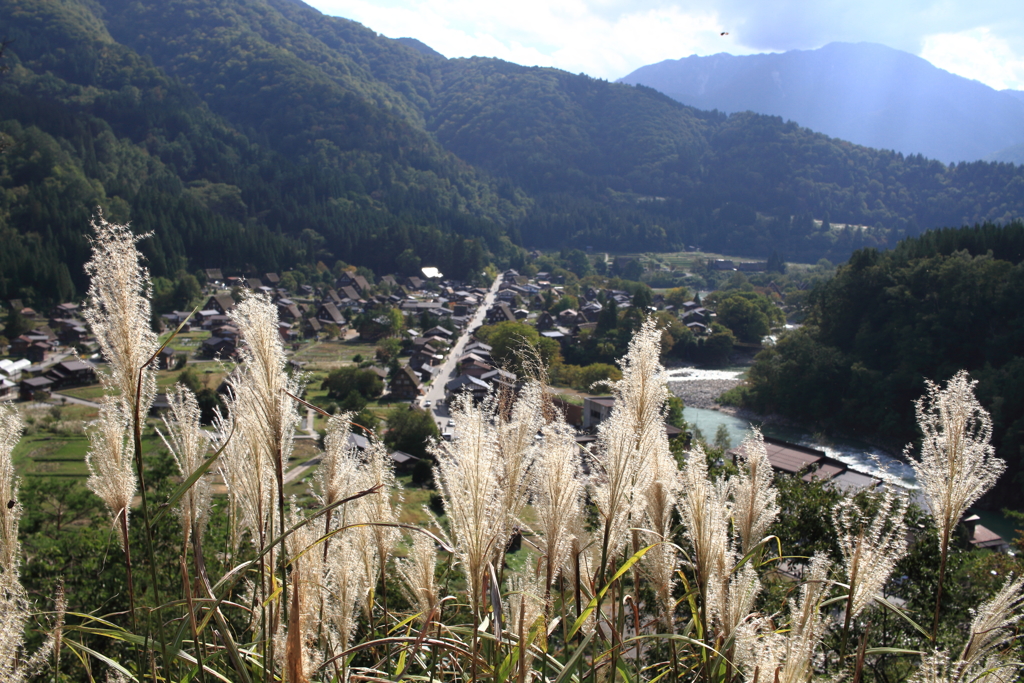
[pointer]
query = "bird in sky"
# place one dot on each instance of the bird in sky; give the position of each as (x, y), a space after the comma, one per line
(724, 33)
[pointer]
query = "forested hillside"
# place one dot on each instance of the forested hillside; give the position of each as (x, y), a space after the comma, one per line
(89, 122)
(261, 134)
(942, 302)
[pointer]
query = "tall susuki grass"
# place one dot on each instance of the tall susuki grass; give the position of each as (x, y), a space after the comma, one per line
(637, 568)
(957, 462)
(16, 664)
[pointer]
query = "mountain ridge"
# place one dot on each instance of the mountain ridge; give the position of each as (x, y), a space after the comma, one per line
(290, 137)
(866, 93)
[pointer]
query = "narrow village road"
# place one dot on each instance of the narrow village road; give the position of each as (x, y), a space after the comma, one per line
(301, 470)
(448, 368)
(56, 397)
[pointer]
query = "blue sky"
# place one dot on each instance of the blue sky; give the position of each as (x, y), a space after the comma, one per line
(979, 39)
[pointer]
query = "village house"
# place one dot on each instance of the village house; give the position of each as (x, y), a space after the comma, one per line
(544, 321)
(35, 351)
(71, 373)
(331, 296)
(476, 387)
(287, 310)
(479, 349)
(356, 282)
(35, 389)
(166, 359)
(216, 320)
(500, 313)
(403, 462)
(568, 318)
(816, 465)
(696, 315)
(438, 331)
(425, 356)
(328, 314)
(222, 303)
(287, 331)
(176, 318)
(982, 537)
(597, 409)
(475, 368)
(557, 335)
(425, 372)
(697, 328)
(312, 327)
(405, 385)
(572, 413)
(217, 347)
(499, 379)
(506, 295)
(71, 334)
(64, 311)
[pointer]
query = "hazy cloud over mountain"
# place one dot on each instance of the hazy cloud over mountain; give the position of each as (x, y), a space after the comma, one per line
(610, 38)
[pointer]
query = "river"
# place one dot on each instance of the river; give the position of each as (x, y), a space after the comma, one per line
(857, 455)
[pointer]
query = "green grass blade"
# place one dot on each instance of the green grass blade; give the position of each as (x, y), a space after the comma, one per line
(75, 645)
(570, 665)
(592, 605)
(187, 484)
(903, 615)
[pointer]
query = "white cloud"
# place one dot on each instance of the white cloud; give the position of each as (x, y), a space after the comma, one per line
(570, 35)
(976, 54)
(610, 38)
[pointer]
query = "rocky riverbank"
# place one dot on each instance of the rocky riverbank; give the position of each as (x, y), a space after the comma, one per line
(702, 393)
(701, 388)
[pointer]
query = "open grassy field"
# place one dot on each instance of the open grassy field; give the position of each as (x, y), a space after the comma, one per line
(90, 393)
(52, 455)
(330, 355)
(186, 342)
(49, 454)
(210, 375)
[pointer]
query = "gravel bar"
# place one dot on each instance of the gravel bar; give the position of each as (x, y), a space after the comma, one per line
(701, 393)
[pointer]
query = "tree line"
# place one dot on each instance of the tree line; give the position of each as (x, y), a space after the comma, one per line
(890, 320)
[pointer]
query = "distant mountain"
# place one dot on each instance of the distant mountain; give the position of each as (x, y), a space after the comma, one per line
(1011, 155)
(866, 93)
(1019, 94)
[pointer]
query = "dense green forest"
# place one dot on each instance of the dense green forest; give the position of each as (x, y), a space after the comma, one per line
(261, 134)
(947, 300)
(87, 122)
